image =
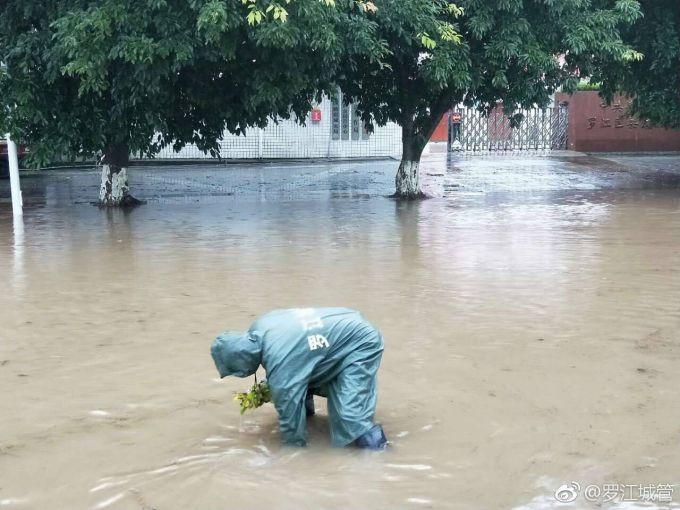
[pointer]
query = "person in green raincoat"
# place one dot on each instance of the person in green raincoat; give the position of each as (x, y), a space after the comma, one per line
(330, 352)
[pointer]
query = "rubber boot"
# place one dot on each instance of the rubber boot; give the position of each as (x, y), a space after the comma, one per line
(374, 439)
(309, 405)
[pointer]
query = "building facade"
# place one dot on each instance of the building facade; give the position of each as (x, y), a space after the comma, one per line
(332, 130)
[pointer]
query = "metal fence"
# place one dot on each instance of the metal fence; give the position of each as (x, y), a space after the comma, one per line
(540, 129)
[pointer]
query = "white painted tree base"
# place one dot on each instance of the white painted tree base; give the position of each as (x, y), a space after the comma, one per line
(407, 181)
(114, 190)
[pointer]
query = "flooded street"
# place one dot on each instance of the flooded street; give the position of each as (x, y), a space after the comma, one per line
(531, 316)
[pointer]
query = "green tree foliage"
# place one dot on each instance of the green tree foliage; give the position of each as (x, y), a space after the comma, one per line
(115, 77)
(654, 79)
(118, 76)
(479, 52)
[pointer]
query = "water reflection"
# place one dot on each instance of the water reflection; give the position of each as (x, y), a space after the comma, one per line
(18, 268)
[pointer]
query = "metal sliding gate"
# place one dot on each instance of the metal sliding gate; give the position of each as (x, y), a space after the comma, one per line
(540, 129)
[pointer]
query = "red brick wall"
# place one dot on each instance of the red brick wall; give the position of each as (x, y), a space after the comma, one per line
(595, 127)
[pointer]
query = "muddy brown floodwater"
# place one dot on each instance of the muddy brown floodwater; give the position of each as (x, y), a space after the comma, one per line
(532, 331)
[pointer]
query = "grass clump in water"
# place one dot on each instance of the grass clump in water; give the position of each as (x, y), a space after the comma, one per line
(258, 395)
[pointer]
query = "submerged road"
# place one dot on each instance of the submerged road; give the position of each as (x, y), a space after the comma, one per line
(531, 315)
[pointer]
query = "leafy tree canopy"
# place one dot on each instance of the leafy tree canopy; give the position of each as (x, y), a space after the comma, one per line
(83, 77)
(653, 80)
(119, 76)
(479, 52)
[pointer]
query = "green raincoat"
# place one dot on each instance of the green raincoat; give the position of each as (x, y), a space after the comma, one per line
(332, 352)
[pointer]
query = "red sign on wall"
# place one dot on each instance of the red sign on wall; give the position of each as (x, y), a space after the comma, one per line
(316, 115)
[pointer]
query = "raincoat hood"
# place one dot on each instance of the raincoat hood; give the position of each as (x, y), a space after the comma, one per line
(236, 353)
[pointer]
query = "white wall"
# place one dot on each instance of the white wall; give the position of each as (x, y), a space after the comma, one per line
(288, 139)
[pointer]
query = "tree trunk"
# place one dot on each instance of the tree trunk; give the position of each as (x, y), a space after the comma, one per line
(407, 180)
(114, 190)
